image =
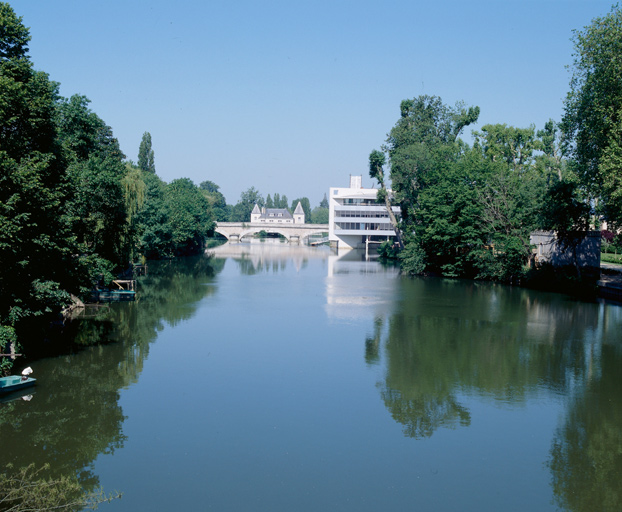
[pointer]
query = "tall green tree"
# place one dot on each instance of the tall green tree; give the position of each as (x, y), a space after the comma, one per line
(37, 249)
(423, 147)
(154, 231)
(248, 199)
(97, 206)
(422, 142)
(510, 190)
(146, 161)
(189, 217)
(217, 201)
(592, 121)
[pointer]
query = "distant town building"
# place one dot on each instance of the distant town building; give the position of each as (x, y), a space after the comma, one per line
(355, 219)
(278, 215)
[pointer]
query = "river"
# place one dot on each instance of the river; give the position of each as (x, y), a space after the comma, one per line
(277, 378)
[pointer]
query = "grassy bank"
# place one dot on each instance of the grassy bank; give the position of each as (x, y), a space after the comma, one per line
(610, 258)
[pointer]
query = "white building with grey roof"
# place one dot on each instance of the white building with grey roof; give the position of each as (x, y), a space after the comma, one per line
(278, 215)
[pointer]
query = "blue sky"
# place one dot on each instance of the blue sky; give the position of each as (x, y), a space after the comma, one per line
(291, 97)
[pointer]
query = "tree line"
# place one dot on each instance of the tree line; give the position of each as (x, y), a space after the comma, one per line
(73, 211)
(241, 211)
(468, 210)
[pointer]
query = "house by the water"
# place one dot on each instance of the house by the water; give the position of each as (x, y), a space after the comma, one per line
(355, 219)
(278, 215)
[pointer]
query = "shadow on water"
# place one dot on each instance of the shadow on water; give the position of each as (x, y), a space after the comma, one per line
(74, 414)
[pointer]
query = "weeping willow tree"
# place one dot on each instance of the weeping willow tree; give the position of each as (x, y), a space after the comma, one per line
(134, 191)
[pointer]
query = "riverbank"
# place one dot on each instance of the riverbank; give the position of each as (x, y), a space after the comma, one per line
(610, 283)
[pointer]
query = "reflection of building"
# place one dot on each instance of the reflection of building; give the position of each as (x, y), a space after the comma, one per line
(349, 296)
(355, 218)
(278, 215)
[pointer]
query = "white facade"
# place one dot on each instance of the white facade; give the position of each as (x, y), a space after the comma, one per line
(278, 215)
(355, 218)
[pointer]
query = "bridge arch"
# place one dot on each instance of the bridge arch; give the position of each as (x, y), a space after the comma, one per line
(238, 235)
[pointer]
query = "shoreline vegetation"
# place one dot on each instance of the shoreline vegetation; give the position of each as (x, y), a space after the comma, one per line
(75, 212)
(468, 210)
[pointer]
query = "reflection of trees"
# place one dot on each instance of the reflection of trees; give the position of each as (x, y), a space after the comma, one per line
(74, 414)
(448, 338)
(586, 457)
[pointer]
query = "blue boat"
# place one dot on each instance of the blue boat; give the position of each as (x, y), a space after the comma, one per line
(15, 383)
(113, 295)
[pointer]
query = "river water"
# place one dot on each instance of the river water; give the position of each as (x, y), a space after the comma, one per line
(277, 378)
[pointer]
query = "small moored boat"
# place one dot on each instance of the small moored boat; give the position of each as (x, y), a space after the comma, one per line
(16, 382)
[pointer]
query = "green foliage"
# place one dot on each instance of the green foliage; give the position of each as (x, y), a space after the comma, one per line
(37, 247)
(412, 258)
(146, 161)
(277, 201)
(565, 212)
(28, 489)
(174, 220)
(189, 217)
(241, 212)
(377, 160)
(388, 251)
(14, 37)
(468, 210)
(319, 215)
(217, 201)
(154, 236)
(97, 209)
(8, 341)
(592, 122)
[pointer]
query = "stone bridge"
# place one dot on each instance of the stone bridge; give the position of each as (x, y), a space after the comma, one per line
(294, 233)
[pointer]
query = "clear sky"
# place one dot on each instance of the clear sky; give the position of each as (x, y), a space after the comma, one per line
(291, 96)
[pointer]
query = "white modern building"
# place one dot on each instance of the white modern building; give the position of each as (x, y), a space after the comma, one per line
(355, 219)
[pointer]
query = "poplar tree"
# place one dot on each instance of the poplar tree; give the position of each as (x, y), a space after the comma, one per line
(146, 160)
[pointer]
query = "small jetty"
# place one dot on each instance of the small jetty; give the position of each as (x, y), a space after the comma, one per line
(120, 290)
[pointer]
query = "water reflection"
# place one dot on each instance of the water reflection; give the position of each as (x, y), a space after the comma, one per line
(74, 414)
(448, 338)
(443, 354)
(269, 255)
(586, 456)
(447, 341)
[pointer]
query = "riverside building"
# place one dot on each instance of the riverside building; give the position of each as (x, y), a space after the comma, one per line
(355, 219)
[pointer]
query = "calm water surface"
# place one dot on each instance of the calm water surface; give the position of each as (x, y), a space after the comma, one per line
(271, 378)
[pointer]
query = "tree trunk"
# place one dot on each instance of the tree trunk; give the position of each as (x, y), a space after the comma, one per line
(387, 203)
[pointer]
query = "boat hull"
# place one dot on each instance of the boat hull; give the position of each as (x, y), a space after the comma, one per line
(14, 383)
